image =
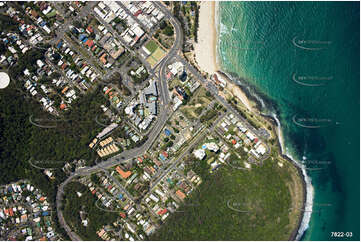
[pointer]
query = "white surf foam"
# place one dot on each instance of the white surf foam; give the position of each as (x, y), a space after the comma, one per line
(309, 188)
(222, 29)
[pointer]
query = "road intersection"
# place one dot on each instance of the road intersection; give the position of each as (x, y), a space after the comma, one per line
(165, 112)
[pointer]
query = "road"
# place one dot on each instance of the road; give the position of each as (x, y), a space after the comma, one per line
(211, 87)
(121, 188)
(59, 196)
(191, 146)
(164, 113)
(152, 135)
(177, 46)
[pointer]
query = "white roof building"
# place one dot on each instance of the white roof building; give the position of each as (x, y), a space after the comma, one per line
(212, 147)
(199, 154)
(176, 67)
(12, 49)
(85, 222)
(137, 30)
(214, 164)
(154, 198)
(112, 5)
(4, 80)
(160, 193)
(40, 63)
(97, 11)
(165, 216)
(261, 149)
(250, 135)
(253, 152)
(177, 103)
(46, 28)
(47, 10)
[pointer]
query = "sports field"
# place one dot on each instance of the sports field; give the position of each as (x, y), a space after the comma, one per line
(157, 52)
(151, 46)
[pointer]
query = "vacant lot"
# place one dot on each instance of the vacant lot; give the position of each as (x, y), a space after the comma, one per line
(198, 103)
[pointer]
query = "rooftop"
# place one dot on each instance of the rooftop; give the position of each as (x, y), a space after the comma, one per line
(4, 80)
(124, 174)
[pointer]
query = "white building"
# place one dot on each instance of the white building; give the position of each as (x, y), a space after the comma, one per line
(176, 67)
(260, 148)
(199, 154)
(154, 198)
(250, 135)
(212, 147)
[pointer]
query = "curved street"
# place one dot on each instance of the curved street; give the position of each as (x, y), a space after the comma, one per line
(133, 153)
(165, 112)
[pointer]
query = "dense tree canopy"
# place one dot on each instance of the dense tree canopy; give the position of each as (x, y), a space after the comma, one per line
(87, 204)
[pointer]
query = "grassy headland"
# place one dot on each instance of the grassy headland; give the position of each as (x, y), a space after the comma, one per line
(235, 204)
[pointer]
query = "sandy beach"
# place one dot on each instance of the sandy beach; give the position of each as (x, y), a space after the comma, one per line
(236, 91)
(205, 49)
(206, 57)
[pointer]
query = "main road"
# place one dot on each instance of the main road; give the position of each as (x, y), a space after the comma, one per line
(133, 153)
(161, 119)
(193, 143)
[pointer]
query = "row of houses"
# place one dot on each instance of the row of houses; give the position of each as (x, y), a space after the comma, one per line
(23, 205)
(146, 12)
(17, 46)
(170, 192)
(241, 134)
(108, 11)
(41, 21)
(112, 198)
(75, 68)
(40, 91)
(45, 9)
(104, 46)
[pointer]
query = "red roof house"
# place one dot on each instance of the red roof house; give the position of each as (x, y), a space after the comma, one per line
(124, 174)
(163, 211)
(165, 154)
(180, 194)
(89, 43)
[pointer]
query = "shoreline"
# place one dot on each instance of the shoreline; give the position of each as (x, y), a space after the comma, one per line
(306, 185)
(307, 190)
(205, 51)
(206, 54)
(304, 219)
(245, 96)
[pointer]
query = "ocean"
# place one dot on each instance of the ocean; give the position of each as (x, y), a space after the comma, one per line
(301, 59)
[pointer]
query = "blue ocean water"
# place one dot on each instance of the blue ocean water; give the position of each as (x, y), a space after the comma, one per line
(304, 58)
